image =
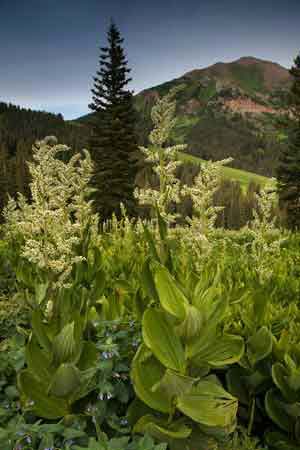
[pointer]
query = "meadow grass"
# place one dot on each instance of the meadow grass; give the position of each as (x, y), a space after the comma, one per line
(242, 176)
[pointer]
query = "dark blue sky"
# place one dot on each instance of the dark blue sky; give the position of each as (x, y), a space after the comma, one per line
(49, 48)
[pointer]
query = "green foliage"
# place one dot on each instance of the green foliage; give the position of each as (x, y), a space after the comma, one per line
(288, 171)
(13, 314)
(182, 344)
(241, 441)
(251, 79)
(183, 124)
(60, 359)
(6, 272)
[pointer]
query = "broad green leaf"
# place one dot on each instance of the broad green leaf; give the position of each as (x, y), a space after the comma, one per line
(66, 348)
(198, 344)
(40, 292)
(136, 410)
(209, 404)
(38, 360)
(44, 406)
(214, 306)
(280, 377)
(227, 349)
(191, 326)
(159, 336)
(87, 384)
(276, 410)
(147, 280)
(65, 381)
(39, 330)
(173, 384)
(171, 297)
(204, 295)
(280, 441)
(88, 356)
(259, 345)
(145, 373)
(258, 381)
(219, 433)
(160, 429)
(236, 384)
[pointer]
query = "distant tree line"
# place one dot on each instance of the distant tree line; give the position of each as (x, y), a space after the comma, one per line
(19, 129)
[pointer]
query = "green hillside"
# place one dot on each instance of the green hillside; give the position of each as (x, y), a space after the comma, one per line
(237, 110)
(242, 176)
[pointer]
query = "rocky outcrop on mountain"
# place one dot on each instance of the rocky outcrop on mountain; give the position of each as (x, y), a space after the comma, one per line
(247, 105)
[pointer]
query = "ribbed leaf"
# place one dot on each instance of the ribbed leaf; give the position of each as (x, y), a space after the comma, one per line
(145, 373)
(66, 348)
(88, 356)
(224, 350)
(160, 429)
(148, 282)
(159, 336)
(209, 404)
(280, 441)
(202, 341)
(192, 324)
(280, 377)
(44, 406)
(39, 330)
(38, 360)
(171, 297)
(276, 410)
(214, 306)
(40, 292)
(236, 384)
(65, 381)
(259, 345)
(173, 384)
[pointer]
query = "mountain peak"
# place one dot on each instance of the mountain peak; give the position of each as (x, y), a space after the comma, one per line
(267, 73)
(250, 60)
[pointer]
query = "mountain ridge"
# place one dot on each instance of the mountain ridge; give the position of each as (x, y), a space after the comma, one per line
(238, 109)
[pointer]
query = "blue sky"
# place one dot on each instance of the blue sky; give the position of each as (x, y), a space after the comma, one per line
(49, 48)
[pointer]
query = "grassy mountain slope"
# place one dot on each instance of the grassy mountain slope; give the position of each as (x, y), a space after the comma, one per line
(241, 176)
(237, 109)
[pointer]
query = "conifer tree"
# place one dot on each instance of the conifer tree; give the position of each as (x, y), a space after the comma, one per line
(288, 172)
(113, 143)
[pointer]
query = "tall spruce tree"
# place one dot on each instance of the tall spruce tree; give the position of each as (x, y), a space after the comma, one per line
(288, 172)
(113, 142)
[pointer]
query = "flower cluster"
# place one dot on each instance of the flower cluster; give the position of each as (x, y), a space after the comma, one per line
(267, 237)
(163, 158)
(202, 194)
(53, 222)
(198, 236)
